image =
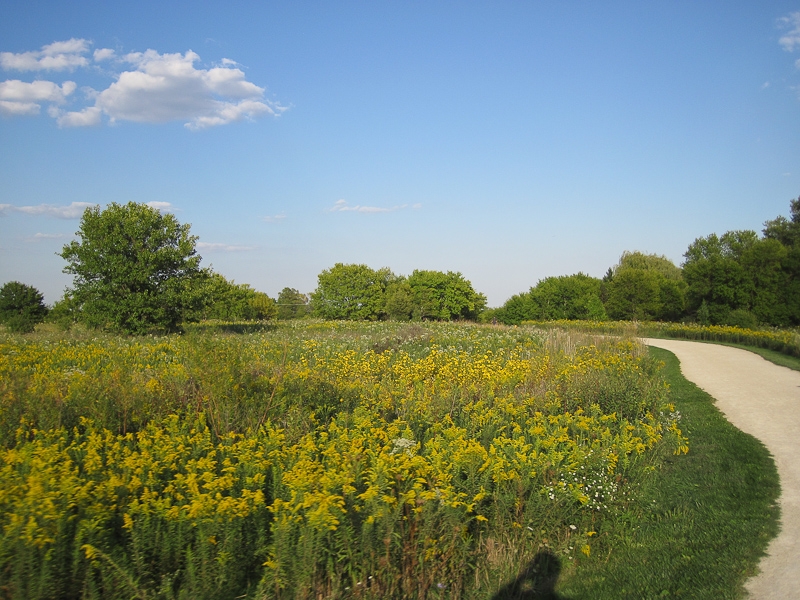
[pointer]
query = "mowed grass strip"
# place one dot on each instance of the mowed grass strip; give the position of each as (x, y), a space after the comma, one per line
(697, 530)
(773, 356)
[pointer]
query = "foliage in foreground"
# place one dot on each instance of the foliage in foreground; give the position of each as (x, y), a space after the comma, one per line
(316, 460)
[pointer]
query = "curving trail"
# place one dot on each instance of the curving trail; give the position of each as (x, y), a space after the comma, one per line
(761, 399)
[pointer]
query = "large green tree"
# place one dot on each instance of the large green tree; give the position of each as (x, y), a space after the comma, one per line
(648, 262)
(574, 297)
(644, 287)
(219, 298)
(737, 274)
(399, 300)
(444, 296)
(292, 304)
(133, 268)
(21, 306)
(353, 292)
(787, 232)
(634, 294)
(566, 297)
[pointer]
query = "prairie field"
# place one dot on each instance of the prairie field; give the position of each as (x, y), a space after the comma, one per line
(319, 459)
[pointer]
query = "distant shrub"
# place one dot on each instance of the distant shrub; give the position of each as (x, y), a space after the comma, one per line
(741, 318)
(21, 307)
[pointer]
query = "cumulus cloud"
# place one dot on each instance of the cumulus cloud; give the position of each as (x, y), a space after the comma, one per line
(217, 247)
(58, 56)
(81, 118)
(73, 211)
(22, 98)
(102, 54)
(274, 218)
(790, 40)
(343, 206)
(168, 87)
(19, 109)
(149, 87)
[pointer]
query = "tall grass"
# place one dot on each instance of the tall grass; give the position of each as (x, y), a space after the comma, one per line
(317, 460)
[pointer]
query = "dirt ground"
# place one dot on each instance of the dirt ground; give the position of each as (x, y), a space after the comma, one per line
(761, 399)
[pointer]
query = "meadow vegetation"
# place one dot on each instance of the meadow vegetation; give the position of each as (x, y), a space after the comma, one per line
(784, 341)
(318, 459)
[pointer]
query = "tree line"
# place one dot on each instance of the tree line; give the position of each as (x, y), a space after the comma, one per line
(738, 278)
(136, 270)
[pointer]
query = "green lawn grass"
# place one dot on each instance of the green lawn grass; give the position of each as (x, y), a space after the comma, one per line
(773, 356)
(697, 530)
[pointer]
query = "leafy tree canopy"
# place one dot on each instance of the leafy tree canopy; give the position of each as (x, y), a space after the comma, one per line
(566, 297)
(133, 268)
(645, 287)
(219, 298)
(635, 294)
(648, 262)
(444, 296)
(399, 300)
(786, 231)
(21, 306)
(352, 292)
(731, 245)
(292, 304)
(739, 273)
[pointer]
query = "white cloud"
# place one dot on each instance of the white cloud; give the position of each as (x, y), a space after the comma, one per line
(81, 118)
(791, 39)
(274, 218)
(22, 98)
(343, 206)
(168, 87)
(73, 211)
(46, 236)
(57, 56)
(37, 91)
(18, 109)
(165, 206)
(102, 54)
(217, 247)
(156, 88)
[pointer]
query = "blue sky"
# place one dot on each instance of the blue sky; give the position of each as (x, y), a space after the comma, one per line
(507, 141)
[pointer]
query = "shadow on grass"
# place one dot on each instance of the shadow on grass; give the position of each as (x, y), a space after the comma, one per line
(536, 582)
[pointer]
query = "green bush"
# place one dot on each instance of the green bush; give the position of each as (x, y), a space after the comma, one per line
(21, 307)
(741, 318)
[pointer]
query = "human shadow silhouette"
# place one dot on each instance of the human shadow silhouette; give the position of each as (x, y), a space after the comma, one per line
(536, 582)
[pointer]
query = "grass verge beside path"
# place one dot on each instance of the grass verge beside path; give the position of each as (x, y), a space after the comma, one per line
(773, 356)
(701, 526)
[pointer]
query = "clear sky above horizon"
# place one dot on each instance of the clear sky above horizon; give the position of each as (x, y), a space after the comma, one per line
(509, 141)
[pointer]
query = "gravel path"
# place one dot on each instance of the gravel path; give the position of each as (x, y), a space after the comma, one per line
(761, 399)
